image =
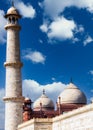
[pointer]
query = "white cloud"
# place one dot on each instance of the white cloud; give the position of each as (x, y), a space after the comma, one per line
(88, 40)
(80, 29)
(40, 4)
(75, 40)
(91, 72)
(34, 89)
(91, 99)
(26, 10)
(61, 28)
(41, 41)
(35, 57)
(2, 30)
(2, 109)
(53, 7)
(44, 28)
(53, 78)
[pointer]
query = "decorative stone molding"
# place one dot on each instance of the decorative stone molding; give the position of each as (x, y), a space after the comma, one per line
(13, 64)
(16, 99)
(35, 122)
(76, 112)
(14, 26)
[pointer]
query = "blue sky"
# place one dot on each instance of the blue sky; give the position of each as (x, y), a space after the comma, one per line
(56, 44)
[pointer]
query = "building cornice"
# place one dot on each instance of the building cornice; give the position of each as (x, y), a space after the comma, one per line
(34, 121)
(78, 111)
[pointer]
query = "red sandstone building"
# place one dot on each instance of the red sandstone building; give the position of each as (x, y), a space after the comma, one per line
(71, 98)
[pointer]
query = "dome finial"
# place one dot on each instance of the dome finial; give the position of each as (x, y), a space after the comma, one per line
(71, 80)
(43, 91)
(12, 3)
(27, 95)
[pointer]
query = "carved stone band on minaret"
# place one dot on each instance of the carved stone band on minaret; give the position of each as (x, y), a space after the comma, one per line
(13, 26)
(16, 99)
(13, 64)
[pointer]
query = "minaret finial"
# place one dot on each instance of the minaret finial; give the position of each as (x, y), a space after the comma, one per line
(13, 3)
(43, 91)
(71, 80)
(27, 95)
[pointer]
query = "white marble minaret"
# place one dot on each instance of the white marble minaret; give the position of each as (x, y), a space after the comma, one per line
(13, 98)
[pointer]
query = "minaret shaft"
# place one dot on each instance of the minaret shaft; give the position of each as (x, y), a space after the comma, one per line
(13, 98)
(13, 46)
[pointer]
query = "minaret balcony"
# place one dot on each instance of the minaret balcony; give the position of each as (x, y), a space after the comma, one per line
(13, 64)
(13, 26)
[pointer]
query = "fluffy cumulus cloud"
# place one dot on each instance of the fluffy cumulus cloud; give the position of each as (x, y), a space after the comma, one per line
(35, 57)
(26, 10)
(2, 30)
(88, 40)
(34, 89)
(61, 28)
(53, 7)
(2, 93)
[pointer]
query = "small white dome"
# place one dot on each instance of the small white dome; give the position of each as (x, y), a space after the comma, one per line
(12, 10)
(26, 99)
(72, 94)
(46, 103)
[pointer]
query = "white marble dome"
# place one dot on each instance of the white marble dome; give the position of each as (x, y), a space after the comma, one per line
(72, 94)
(44, 102)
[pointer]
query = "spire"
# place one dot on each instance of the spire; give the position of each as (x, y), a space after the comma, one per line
(71, 80)
(44, 91)
(12, 3)
(27, 96)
